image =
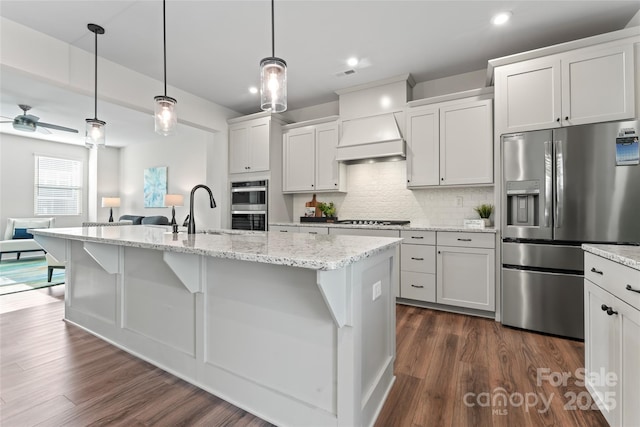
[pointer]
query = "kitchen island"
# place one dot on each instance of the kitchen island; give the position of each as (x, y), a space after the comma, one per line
(297, 329)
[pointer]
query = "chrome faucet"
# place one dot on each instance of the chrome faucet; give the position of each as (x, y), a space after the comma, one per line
(191, 228)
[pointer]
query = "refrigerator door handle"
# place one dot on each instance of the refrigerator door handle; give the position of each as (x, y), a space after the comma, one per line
(548, 181)
(559, 184)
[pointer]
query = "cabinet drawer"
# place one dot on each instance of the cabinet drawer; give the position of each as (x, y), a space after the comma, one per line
(613, 278)
(469, 240)
(283, 228)
(314, 230)
(419, 237)
(418, 286)
(418, 258)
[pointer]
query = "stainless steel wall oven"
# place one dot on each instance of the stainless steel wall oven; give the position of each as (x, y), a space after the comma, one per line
(249, 205)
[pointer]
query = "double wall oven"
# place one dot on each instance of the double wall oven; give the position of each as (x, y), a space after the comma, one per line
(249, 205)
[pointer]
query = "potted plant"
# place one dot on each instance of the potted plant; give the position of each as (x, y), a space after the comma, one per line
(484, 211)
(328, 210)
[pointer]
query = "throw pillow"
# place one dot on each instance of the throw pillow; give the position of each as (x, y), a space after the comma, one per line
(21, 233)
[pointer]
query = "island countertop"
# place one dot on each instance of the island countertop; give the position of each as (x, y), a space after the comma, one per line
(316, 252)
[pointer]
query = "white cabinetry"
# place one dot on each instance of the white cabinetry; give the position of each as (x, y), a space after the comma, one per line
(284, 228)
(612, 339)
(309, 157)
(249, 143)
(588, 85)
(450, 143)
(418, 265)
(466, 270)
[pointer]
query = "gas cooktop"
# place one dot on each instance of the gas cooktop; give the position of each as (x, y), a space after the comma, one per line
(373, 222)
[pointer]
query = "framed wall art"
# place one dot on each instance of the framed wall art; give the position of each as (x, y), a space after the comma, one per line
(155, 186)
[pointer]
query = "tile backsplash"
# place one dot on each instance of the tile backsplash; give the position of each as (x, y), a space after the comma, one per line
(378, 191)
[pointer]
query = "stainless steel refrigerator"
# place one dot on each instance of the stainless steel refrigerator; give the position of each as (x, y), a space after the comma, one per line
(561, 188)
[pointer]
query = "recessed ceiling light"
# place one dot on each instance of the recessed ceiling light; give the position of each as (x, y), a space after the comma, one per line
(352, 62)
(501, 18)
(253, 89)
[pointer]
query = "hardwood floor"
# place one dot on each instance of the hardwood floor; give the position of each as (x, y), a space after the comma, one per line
(55, 374)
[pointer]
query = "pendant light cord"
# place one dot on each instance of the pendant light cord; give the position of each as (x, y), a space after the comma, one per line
(95, 81)
(273, 32)
(164, 41)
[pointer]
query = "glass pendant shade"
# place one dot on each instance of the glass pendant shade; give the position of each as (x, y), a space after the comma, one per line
(273, 84)
(166, 115)
(95, 133)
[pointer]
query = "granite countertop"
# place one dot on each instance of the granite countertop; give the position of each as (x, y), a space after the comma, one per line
(316, 252)
(622, 254)
(410, 227)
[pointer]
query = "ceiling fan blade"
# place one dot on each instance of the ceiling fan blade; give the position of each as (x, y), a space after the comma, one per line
(8, 121)
(43, 130)
(5, 117)
(56, 127)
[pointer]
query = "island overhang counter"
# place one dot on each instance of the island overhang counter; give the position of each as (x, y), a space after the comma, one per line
(297, 329)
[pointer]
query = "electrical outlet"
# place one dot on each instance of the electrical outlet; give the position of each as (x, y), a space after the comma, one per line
(377, 290)
(459, 201)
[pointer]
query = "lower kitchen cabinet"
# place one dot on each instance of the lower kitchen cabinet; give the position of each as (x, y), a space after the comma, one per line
(466, 270)
(418, 265)
(612, 339)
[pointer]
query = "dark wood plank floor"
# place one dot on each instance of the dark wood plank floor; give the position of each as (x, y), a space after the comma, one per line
(54, 374)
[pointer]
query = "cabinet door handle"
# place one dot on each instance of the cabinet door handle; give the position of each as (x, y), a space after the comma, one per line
(417, 286)
(441, 179)
(566, 117)
(464, 240)
(417, 237)
(558, 120)
(439, 252)
(609, 310)
(417, 259)
(629, 288)
(594, 270)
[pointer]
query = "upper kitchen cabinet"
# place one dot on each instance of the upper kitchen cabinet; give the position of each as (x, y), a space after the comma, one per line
(450, 143)
(588, 85)
(251, 140)
(309, 157)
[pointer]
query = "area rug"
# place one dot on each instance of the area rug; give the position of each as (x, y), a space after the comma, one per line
(27, 274)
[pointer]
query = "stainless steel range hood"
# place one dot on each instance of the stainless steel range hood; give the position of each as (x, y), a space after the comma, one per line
(371, 138)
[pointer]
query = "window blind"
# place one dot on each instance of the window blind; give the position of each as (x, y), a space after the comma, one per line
(58, 186)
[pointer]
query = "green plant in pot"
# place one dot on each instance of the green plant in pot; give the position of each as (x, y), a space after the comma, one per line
(328, 209)
(484, 211)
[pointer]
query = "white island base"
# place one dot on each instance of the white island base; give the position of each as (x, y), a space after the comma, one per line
(294, 346)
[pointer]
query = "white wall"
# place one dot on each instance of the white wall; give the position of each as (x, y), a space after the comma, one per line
(107, 170)
(17, 177)
(378, 191)
(314, 112)
(199, 158)
(452, 84)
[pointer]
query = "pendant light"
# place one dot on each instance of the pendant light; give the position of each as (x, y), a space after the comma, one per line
(273, 78)
(166, 116)
(95, 129)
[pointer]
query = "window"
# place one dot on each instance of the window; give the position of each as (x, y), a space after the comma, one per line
(58, 186)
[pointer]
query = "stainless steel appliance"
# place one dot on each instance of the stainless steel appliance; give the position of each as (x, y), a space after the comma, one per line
(561, 188)
(249, 205)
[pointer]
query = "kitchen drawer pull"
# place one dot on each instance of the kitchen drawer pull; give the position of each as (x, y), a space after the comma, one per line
(417, 258)
(313, 232)
(464, 240)
(417, 286)
(629, 288)
(594, 270)
(609, 310)
(417, 237)
(284, 231)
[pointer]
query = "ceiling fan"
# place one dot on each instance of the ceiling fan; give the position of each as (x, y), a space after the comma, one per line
(29, 123)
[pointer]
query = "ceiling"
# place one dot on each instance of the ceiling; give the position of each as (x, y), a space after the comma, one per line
(214, 47)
